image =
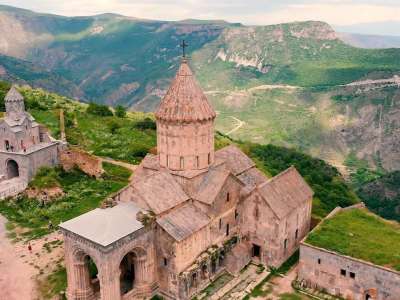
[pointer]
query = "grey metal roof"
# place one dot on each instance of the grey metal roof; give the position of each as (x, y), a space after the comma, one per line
(106, 226)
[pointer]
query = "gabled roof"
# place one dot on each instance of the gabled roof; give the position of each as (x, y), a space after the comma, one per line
(185, 101)
(160, 192)
(183, 222)
(13, 95)
(105, 226)
(253, 177)
(236, 161)
(150, 161)
(210, 185)
(285, 192)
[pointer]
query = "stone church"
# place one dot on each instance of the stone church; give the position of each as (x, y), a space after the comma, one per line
(25, 146)
(190, 213)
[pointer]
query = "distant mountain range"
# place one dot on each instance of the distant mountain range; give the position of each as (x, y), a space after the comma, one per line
(370, 41)
(284, 84)
(386, 28)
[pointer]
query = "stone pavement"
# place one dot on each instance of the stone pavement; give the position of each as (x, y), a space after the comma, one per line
(12, 187)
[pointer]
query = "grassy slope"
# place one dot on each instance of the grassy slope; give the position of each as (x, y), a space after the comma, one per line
(360, 234)
(114, 137)
(82, 194)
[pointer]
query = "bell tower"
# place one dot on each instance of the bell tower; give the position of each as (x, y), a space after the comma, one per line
(14, 102)
(185, 124)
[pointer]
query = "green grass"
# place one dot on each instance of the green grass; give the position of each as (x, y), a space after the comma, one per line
(217, 284)
(82, 194)
(109, 136)
(293, 296)
(46, 177)
(362, 235)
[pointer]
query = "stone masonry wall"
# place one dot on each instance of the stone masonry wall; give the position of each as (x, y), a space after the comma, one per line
(89, 164)
(29, 164)
(323, 269)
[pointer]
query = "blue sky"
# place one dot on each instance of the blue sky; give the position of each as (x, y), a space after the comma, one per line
(260, 12)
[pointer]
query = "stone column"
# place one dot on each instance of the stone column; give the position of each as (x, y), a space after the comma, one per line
(110, 285)
(140, 272)
(81, 288)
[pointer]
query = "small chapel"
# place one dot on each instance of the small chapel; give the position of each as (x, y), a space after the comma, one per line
(25, 145)
(190, 213)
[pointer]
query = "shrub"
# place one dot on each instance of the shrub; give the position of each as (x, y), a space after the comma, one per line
(120, 111)
(147, 123)
(99, 110)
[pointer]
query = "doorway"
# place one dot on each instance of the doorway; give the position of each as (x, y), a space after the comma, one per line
(12, 169)
(256, 252)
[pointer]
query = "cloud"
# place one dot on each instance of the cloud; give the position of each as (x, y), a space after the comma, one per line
(340, 12)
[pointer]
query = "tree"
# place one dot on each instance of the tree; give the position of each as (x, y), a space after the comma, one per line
(99, 110)
(120, 111)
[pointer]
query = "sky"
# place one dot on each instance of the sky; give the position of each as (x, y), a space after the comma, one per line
(249, 12)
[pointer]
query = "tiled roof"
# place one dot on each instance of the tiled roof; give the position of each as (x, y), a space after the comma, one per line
(235, 159)
(285, 192)
(185, 101)
(183, 221)
(210, 185)
(159, 191)
(253, 177)
(13, 95)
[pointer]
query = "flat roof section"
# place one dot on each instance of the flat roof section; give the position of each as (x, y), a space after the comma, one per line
(106, 226)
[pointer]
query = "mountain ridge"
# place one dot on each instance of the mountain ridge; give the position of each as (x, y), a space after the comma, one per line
(114, 60)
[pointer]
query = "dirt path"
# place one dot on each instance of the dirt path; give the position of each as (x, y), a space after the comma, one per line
(16, 278)
(240, 123)
(119, 163)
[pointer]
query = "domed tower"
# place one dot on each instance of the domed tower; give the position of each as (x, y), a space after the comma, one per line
(185, 124)
(14, 102)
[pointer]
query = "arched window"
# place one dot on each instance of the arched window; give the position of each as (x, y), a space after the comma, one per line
(182, 163)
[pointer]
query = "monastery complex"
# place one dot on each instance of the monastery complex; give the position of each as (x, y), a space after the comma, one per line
(192, 214)
(25, 146)
(189, 214)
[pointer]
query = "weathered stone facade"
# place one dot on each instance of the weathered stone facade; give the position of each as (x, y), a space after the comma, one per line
(25, 146)
(201, 212)
(346, 276)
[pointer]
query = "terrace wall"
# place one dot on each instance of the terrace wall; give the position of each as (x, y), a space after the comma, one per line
(323, 269)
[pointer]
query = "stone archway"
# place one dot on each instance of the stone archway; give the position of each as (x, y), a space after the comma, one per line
(133, 270)
(12, 169)
(86, 285)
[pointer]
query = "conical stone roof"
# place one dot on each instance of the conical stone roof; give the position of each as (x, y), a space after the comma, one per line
(13, 95)
(185, 100)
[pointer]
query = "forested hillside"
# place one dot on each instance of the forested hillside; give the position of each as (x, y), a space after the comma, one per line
(129, 138)
(382, 195)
